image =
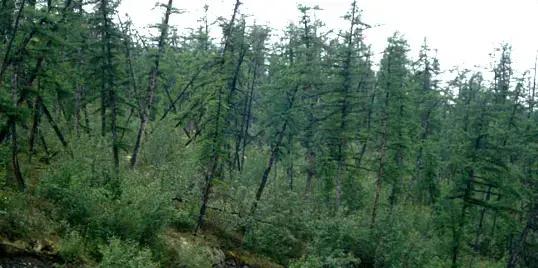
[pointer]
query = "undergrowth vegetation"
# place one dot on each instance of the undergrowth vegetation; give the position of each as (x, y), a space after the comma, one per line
(296, 147)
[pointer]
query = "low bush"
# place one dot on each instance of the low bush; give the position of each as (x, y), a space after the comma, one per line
(122, 254)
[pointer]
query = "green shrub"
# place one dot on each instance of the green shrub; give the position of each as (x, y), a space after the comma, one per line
(183, 221)
(121, 254)
(73, 248)
(175, 250)
(340, 260)
(404, 239)
(141, 212)
(342, 240)
(23, 216)
(74, 188)
(131, 206)
(273, 240)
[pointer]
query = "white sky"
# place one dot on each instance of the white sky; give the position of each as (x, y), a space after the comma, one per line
(464, 32)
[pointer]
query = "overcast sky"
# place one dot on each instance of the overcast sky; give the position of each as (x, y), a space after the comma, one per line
(464, 32)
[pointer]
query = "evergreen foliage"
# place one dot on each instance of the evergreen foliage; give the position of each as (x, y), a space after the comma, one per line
(183, 151)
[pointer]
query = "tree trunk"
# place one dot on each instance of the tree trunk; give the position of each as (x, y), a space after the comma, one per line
(85, 111)
(215, 171)
(22, 96)
(272, 159)
(13, 128)
(113, 126)
(358, 162)
(77, 109)
(309, 171)
(380, 173)
(481, 222)
(246, 118)
(289, 169)
(518, 246)
(152, 86)
(345, 109)
(5, 61)
(52, 123)
(78, 95)
(458, 231)
(15, 159)
(104, 102)
(35, 124)
(418, 162)
(533, 90)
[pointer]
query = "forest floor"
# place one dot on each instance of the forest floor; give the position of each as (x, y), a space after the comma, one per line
(42, 251)
(18, 255)
(24, 261)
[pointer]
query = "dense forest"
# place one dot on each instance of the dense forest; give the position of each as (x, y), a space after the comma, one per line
(293, 147)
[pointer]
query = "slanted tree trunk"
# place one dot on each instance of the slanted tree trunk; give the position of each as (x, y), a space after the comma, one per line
(22, 96)
(266, 172)
(458, 231)
(114, 129)
(232, 85)
(466, 198)
(481, 221)
(248, 113)
(152, 86)
(133, 90)
(215, 155)
(504, 142)
(423, 137)
(52, 123)
(12, 122)
(108, 95)
(274, 153)
(345, 109)
(85, 112)
(6, 62)
(104, 102)
(15, 159)
(532, 93)
(78, 95)
(289, 169)
(36, 107)
(358, 161)
(311, 123)
(517, 247)
(383, 150)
